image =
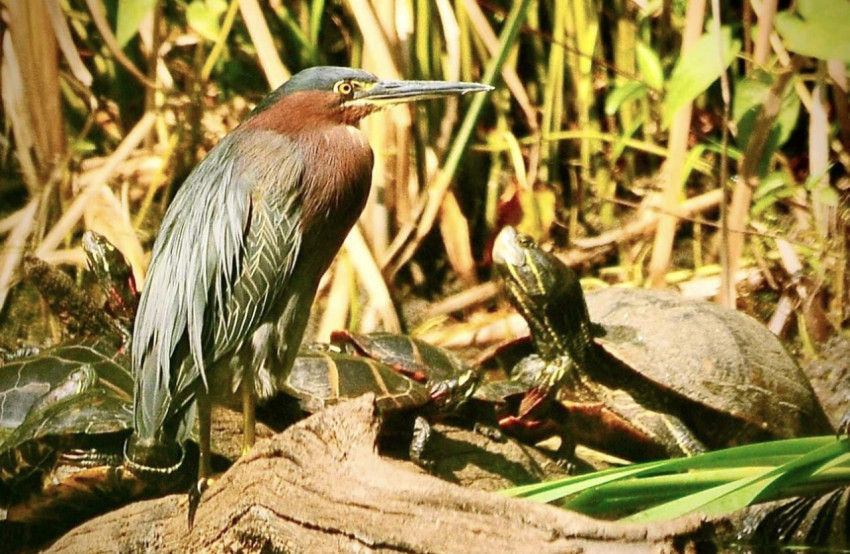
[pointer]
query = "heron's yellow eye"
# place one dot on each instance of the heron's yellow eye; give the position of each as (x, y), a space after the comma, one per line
(344, 88)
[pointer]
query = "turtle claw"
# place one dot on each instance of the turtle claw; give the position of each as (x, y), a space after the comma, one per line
(195, 493)
(567, 465)
(565, 456)
(421, 435)
(7, 356)
(493, 433)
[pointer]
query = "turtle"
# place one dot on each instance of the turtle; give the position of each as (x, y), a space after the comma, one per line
(115, 278)
(39, 378)
(324, 375)
(414, 358)
(80, 421)
(64, 427)
(83, 318)
(64, 464)
(65, 411)
(69, 450)
(101, 344)
(656, 375)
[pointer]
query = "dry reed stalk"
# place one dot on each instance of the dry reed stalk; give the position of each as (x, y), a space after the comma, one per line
(673, 170)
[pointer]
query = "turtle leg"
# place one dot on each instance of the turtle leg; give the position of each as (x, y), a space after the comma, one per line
(659, 427)
(565, 456)
(548, 378)
(684, 438)
(421, 435)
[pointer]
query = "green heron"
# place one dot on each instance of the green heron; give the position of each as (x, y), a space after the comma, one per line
(242, 247)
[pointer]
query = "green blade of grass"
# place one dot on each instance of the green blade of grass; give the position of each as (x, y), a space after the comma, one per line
(554, 490)
(741, 493)
(620, 491)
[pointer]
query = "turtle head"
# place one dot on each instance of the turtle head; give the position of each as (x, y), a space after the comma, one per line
(450, 394)
(114, 275)
(545, 291)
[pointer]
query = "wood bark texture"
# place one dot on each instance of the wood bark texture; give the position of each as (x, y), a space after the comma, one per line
(320, 486)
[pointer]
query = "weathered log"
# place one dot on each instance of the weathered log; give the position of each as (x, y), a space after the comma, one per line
(320, 486)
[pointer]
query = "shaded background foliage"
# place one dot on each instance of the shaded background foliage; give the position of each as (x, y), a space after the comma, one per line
(614, 136)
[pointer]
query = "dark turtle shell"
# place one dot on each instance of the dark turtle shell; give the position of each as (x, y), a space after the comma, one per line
(450, 380)
(417, 359)
(23, 381)
(65, 464)
(84, 319)
(323, 376)
(85, 429)
(320, 378)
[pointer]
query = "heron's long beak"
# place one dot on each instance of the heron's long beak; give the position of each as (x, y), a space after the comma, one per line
(395, 92)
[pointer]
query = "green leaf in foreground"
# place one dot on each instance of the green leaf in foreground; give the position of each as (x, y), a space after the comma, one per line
(713, 483)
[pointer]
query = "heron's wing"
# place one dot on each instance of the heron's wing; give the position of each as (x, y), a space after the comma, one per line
(272, 242)
(221, 248)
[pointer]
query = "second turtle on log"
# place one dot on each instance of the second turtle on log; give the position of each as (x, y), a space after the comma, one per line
(406, 387)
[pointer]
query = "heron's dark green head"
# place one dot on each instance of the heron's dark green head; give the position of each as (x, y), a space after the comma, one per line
(344, 95)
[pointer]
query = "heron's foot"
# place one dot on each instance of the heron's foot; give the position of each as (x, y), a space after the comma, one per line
(195, 494)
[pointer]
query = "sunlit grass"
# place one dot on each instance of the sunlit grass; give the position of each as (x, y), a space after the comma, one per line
(717, 482)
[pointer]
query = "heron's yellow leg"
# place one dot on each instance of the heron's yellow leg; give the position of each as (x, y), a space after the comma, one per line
(204, 431)
(249, 414)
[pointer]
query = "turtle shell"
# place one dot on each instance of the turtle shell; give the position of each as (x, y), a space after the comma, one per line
(23, 381)
(719, 358)
(88, 428)
(26, 379)
(417, 359)
(64, 465)
(319, 379)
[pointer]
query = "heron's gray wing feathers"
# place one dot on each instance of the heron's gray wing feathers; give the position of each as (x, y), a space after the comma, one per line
(230, 239)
